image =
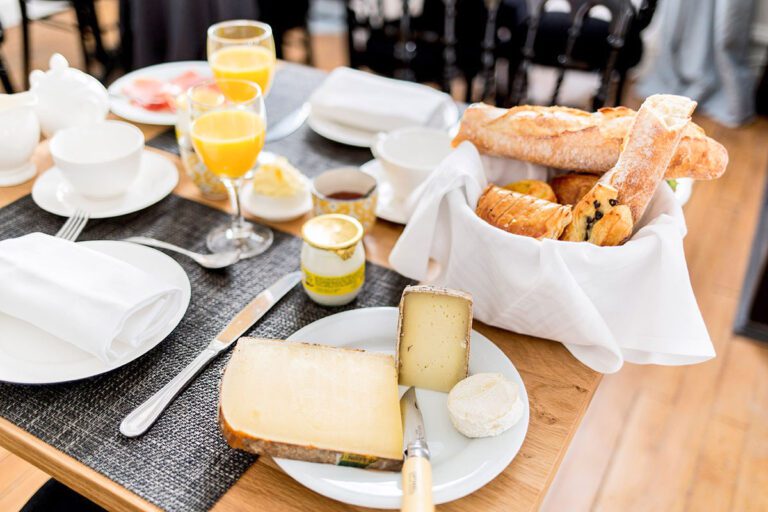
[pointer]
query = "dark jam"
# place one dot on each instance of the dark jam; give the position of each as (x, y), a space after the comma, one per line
(345, 196)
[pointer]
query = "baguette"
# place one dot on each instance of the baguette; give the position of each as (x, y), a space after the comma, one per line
(522, 214)
(650, 145)
(575, 140)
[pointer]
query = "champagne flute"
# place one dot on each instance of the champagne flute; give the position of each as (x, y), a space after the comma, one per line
(228, 135)
(242, 50)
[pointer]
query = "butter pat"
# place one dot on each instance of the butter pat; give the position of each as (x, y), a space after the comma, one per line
(278, 179)
(485, 404)
(312, 402)
(433, 337)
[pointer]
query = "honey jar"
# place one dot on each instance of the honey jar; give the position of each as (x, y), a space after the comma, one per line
(332, 259)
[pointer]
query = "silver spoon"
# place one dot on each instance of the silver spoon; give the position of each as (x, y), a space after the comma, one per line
(215, 260)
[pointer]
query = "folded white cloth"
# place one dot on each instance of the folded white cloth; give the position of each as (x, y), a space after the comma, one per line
(98, 303)
(369, 102)
(606, 304)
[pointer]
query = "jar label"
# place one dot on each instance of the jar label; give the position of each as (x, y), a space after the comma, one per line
(333, 285)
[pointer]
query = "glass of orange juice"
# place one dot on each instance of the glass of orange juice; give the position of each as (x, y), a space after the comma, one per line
(228, 135)
(242, 50)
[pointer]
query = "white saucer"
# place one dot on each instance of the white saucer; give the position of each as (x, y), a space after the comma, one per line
(270, 212)
(357, 137)
(29, 355)
(460, 465)
(120, 105)
(387, 207)
(157, 178)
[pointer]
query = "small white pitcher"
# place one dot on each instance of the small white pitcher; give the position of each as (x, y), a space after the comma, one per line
(19, 135)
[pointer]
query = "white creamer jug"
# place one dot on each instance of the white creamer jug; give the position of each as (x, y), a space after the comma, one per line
(67, 96)
(19, 135)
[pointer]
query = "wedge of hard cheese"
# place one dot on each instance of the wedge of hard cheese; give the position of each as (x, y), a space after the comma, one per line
(433, 337)
(312, 402)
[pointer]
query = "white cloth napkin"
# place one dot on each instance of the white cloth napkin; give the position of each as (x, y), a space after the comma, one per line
(606, 304)
(98, 303)
(369, 102)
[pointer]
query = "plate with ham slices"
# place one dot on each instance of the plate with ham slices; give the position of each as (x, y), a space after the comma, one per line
(148, 95)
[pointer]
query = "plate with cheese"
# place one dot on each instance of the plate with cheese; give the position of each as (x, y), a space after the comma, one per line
(331, 415)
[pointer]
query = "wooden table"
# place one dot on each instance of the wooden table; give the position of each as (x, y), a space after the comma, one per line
(559, 388)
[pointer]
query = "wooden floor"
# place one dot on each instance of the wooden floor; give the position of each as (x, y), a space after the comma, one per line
(655, 438)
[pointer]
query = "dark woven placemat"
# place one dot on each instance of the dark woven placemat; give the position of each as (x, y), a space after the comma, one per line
(182, 463)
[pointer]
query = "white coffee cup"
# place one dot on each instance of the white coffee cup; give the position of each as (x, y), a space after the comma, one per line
(101, 160)
(409, 155)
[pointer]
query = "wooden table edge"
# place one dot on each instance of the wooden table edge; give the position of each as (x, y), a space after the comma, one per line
(70, 471)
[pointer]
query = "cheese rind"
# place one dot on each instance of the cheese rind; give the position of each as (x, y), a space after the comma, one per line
(312, 402)
(485, 404)
(433, 335)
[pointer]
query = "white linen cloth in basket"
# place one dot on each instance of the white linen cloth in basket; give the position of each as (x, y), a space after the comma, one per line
(93, 301)
(607, 305)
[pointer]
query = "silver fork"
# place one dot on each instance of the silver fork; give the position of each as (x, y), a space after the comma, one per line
(73, 226)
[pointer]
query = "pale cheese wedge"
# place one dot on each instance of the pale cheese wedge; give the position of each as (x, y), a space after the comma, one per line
(312, 402)
(433, 337)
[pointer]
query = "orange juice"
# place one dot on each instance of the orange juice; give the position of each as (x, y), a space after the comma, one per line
(229, 141)
(252, 63)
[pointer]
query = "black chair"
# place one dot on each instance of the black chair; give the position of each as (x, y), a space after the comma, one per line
(449, 39)
(56, 497)
(89, 30)
(283, 17)
(575, 40)
(4, 78)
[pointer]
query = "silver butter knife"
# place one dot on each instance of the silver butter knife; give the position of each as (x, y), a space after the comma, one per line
(288, 124)
(139, 421)
(417, 470)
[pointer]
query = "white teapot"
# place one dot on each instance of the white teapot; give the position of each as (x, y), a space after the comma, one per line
(67, 96)
(19, 135)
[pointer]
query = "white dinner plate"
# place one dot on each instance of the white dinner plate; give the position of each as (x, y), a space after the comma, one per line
(157, 178)
(29, 355)
(351, 136)
(387, 207)
(460, 465)
(120, 105)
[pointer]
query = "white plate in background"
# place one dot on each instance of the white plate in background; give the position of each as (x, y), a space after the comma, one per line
(351, 136)
(120, 105)
(157, 178)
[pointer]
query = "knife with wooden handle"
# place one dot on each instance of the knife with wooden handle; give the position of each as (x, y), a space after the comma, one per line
(417, 470)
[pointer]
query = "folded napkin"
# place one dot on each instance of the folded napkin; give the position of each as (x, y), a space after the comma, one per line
(607, 305)
(98, 303)
(369, 102)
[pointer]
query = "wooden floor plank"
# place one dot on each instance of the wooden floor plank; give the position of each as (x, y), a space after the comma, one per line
(18, 482)
(714, 482)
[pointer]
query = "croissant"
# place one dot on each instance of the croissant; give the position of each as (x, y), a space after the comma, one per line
(571, 187)
(522, 214)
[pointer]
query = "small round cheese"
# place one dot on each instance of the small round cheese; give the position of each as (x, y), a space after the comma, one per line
(484, 404)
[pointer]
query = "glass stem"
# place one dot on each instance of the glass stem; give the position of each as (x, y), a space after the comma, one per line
(233, 188)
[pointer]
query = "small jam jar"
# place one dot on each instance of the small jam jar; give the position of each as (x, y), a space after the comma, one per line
(332, 259)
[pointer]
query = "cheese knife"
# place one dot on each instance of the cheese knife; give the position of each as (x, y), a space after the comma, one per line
(417, 470)
(145, 415)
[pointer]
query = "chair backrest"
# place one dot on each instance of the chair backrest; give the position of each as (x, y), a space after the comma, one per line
(622, 13)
